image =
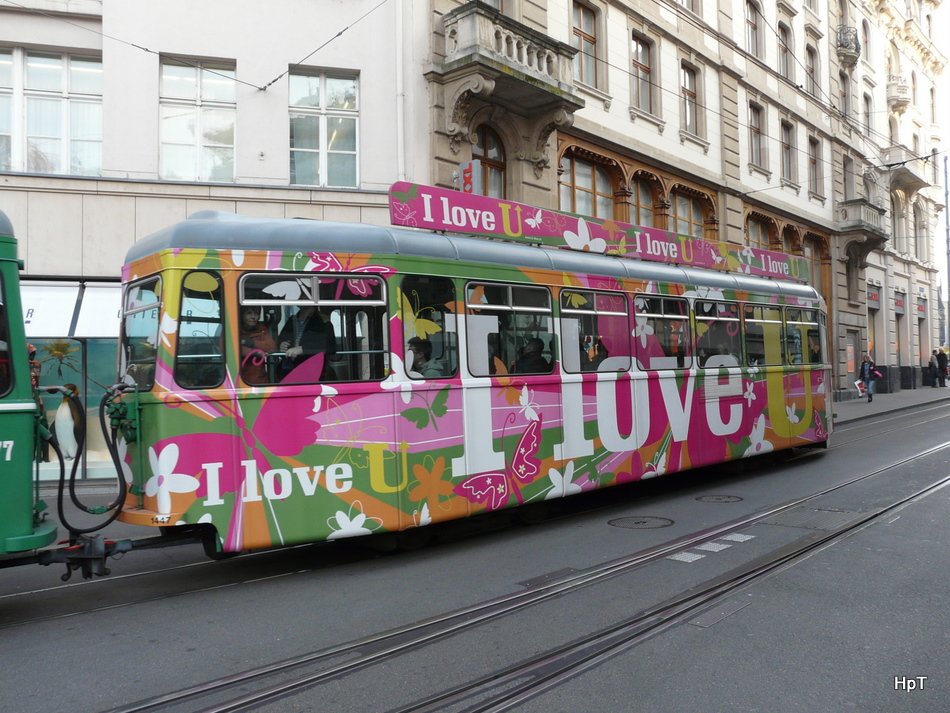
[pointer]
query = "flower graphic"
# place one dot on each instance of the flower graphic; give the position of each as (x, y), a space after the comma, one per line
(396, 380)
(346, 524)
(749, 394)
(165, 480)
(581, 240)
(643, 330)
(562, 485)
(123, 451)
(758, 443)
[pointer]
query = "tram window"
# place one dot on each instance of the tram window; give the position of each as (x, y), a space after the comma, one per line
(140, 319)
(598, 323)
(430, 334)
(718, 334)
(763, 328)
(199, 358)
(802, 338)
(324, 327)
(6, 367)
(661, 332)
(509, 329)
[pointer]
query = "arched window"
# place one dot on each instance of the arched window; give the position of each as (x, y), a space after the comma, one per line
(491, 152)
(641, 202)
(785, 63)
(920, 237)
(868, 114)
(913, 87)
(844, 104)
(757, 233)
(933, 105)
(585, 188)
(811, 70)
(688, 217)
(812, 250)
(752, 20)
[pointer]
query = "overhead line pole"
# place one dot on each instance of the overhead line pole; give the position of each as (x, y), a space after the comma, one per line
(946, 223)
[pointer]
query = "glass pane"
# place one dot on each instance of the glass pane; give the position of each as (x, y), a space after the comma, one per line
(534, 297)
(85, 76)
(85, 158)
(341, 134)
(495, 150)
(304, 132)
(304, 91)
(178, 162)
(43, 155)
(305, 168)
(179, 82)
(585, 203)
(178, 124)
(583, 174)
(217, 164)
(199, 360)
(341, 170)
(5, 153)
(341, 93)
(6, 69)
(496, 183)
(605, 207)
(217, 85)
(217, 127)
(43, 117)
(45, 73)
(85, 121)
(6, 120)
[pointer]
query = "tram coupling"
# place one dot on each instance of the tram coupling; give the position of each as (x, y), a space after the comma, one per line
(86, 554)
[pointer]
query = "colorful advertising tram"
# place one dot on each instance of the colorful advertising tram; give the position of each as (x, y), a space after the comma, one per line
(289, 381)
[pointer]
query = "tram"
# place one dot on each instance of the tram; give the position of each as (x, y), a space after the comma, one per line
(290, 381)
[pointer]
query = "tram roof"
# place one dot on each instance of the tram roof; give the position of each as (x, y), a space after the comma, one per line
(215, 230)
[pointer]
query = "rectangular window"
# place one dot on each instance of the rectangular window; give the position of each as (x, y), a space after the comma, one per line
(324, 118)
(752, 28)
(584, 40)
(199, 356)
(788, 152)
(756, 142)
(326, 327)
(784, 52)
(57, 125)
(6, 364)
(198, 115)
(430, 331)
(509, 329)
(661, 332)
(642, 74)
(718, 334)
(597, 322)
(763, 335)
(814, 166)
(802, 337)
(140, 317)
(689, 117)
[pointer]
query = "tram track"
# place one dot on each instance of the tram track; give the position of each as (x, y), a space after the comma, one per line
(347, 659)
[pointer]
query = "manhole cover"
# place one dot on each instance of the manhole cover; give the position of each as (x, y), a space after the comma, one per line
(641, 522)
(719, 499)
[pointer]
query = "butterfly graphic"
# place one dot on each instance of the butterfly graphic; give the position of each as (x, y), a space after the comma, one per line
(528, 407)
(494, 489)
(287, 290)
(407, 195)
(820, 431)
(414, 324)
(422, 416)
(536, 220)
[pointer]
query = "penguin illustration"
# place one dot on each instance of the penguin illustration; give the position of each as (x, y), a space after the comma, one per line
(66, 424)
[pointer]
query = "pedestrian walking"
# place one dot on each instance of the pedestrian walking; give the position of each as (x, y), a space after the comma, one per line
(934, 368)
(942, 367)
(868, 373)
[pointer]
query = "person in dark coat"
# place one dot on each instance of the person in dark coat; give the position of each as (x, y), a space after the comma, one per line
(304, 335)
(942, 366)
(934, 366)
(531, 360)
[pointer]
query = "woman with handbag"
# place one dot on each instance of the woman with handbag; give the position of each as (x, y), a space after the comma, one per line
(868, 373)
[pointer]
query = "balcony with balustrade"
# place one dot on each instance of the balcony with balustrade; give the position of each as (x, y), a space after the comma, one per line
(905, 170)
(849, 46)
(898, 93)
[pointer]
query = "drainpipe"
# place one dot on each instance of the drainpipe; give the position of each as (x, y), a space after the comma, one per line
(400, 96)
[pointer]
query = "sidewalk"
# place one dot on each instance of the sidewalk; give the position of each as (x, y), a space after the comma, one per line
(857, 409)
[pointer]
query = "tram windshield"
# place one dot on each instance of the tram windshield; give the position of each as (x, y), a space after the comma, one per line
(140, 318)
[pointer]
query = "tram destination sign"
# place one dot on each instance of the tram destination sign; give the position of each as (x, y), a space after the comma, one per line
(440, 209)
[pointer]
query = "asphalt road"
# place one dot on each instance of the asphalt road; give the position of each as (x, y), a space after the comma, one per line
(857, 623)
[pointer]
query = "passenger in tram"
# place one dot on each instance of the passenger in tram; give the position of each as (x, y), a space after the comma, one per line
(256, 344)
(306, 334)
(496, 366)
(422, 363)
(531, 360)
(814, 350)
(593, 352)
